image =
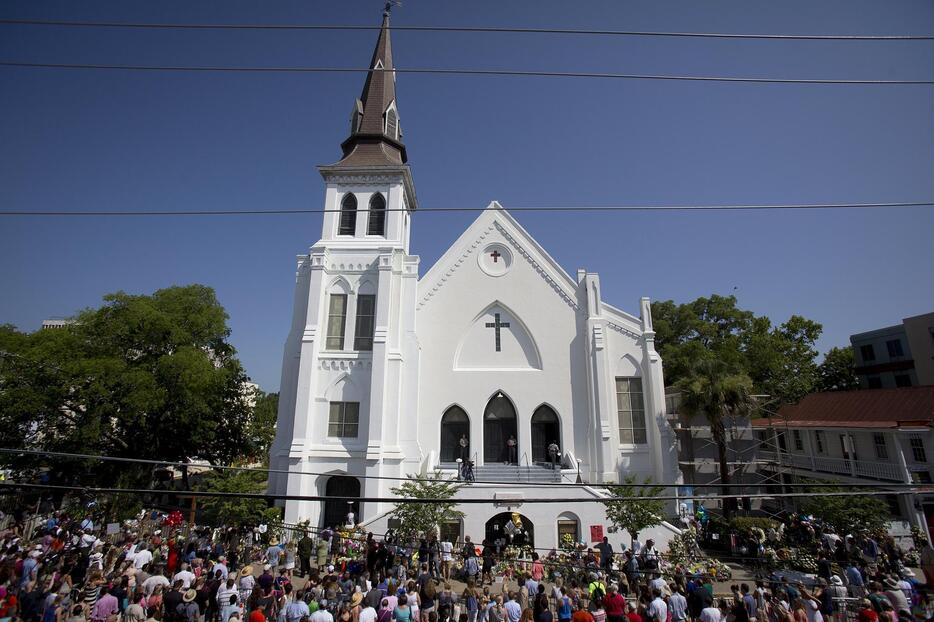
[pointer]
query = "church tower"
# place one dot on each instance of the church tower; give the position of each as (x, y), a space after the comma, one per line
(352, 341)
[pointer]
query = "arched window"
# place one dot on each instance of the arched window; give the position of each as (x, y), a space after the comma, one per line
(455, 424)
(392, 124)
(348, 224)
(377, 222)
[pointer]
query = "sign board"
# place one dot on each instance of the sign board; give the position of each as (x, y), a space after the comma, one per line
(596, 533)
(113, 528)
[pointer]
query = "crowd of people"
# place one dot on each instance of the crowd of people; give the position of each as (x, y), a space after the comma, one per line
(63, 569)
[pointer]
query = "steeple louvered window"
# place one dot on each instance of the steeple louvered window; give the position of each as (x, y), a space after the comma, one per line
(376, 224)
(392, 124)
(348, 219)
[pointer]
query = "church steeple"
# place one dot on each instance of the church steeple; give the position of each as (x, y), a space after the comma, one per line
(375, 134)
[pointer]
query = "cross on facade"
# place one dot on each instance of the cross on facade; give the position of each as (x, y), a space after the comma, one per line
(495, 255)
(497, 325)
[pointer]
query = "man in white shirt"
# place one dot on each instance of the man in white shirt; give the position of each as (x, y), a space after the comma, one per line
(368, 614)
(142, 557)
(185, 576)
(447, 550)
(710, 614)
(222, 566)
(149, 585)
(658, 610)
(321, 615)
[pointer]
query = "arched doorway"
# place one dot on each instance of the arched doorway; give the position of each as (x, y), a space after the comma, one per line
(501, 530)
(545, 429)
(499, 423)
(335, 510)
(454, 424)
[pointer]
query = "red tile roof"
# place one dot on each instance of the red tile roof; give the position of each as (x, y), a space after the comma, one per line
(874, 408)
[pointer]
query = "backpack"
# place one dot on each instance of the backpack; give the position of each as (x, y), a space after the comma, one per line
(598, 592)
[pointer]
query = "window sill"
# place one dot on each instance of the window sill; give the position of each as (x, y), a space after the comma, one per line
(347, 354)
(631, 448)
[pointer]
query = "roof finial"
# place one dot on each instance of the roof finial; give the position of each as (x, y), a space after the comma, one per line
(389, 4)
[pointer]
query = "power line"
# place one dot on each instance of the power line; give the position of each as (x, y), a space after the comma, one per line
(583, 208)
(398, 500)
(163, 463)
(475, 29)
(468, 72)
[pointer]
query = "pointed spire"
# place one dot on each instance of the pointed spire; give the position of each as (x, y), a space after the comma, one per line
(375, 134)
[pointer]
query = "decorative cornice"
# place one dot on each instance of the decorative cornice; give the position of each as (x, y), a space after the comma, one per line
(335, 364)
(518, 248)
(341, 180)
(457, 264)
(626, 331)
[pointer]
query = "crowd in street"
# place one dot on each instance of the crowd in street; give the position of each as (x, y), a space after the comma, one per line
(62, 569)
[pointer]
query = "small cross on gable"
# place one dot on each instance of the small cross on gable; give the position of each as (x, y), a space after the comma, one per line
(495, 255)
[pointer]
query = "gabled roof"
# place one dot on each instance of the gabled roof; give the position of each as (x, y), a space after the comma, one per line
(497, 218)
(368, 144)
(873, 408)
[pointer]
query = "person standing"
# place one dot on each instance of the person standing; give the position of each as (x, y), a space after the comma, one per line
(511, 450)
(464, 446)
(305, 545)
(554, 452)
(606, 554)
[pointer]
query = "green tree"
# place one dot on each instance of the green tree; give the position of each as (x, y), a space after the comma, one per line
(848, 514)
(717, 392)
(417, 519)
(235, 510)
(632, 507)
(838, 371)
(149, 377)
(262, 426)
(780, 360)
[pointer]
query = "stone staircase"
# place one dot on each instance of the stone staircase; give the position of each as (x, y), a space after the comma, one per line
(534, 474)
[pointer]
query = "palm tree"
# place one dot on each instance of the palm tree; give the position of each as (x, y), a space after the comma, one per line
(717, 391)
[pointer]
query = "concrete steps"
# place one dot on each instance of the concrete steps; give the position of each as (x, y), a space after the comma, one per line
(537, 474)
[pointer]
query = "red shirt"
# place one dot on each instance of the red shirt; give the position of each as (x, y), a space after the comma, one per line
(581, 615)
(257, 616)
(632, 616)
(614, 604)
(868, 615)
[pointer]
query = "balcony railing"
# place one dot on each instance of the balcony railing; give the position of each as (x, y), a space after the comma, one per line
(840, 466)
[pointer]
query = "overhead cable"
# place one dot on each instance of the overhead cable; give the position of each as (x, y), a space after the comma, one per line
(164, 463)
(467, 72)
(475, 29)
(582, 208)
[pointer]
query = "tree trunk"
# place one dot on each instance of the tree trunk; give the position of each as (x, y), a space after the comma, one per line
(719, 437)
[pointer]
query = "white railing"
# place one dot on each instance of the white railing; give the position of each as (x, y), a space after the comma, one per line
(840, 466)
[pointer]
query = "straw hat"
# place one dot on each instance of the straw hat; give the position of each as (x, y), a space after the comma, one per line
(189, 596)
(891, 583)
(836, 580)
(356, 599)
(246, 570)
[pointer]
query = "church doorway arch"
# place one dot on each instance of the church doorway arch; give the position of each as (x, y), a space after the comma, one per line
(504, 530)
(336, 510)
(499, 424)
(545, 429)
(454, 424)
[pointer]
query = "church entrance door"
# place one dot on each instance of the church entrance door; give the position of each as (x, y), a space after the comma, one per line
(499, 424)
(510, 529)
(336, 510)
(455, 424)
(545, 430)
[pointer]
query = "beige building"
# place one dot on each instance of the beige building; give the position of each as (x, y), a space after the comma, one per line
(896, 356)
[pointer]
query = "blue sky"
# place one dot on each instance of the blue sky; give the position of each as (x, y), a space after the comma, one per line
(79, 140)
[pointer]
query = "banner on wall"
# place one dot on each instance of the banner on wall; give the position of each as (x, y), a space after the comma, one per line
(596, 533)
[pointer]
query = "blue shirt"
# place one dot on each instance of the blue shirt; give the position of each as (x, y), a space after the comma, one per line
(513, 610)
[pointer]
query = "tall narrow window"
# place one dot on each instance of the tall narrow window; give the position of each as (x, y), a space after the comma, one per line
(799, 442)
(630, 410)
(894, 347)
(867, 352)
(337, 319)
(819, 438)
(917, 449)
(376, 225)
(344, 419)
(882, 453)
(392, 124)
(348, 223)
(366, 318)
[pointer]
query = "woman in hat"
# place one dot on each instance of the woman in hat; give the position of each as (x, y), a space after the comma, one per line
(355, 607)
(289, 559)
(189, 611)
(246, 582)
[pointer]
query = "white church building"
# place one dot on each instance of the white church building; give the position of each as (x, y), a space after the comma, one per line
(388, 366)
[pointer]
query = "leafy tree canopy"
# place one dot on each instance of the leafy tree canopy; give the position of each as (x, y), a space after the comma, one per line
(262, 427)
(780, 360)
(235, 511)
(418, 519)
(149, 377)
(838, 371)
(848, 514)
(627, 511)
